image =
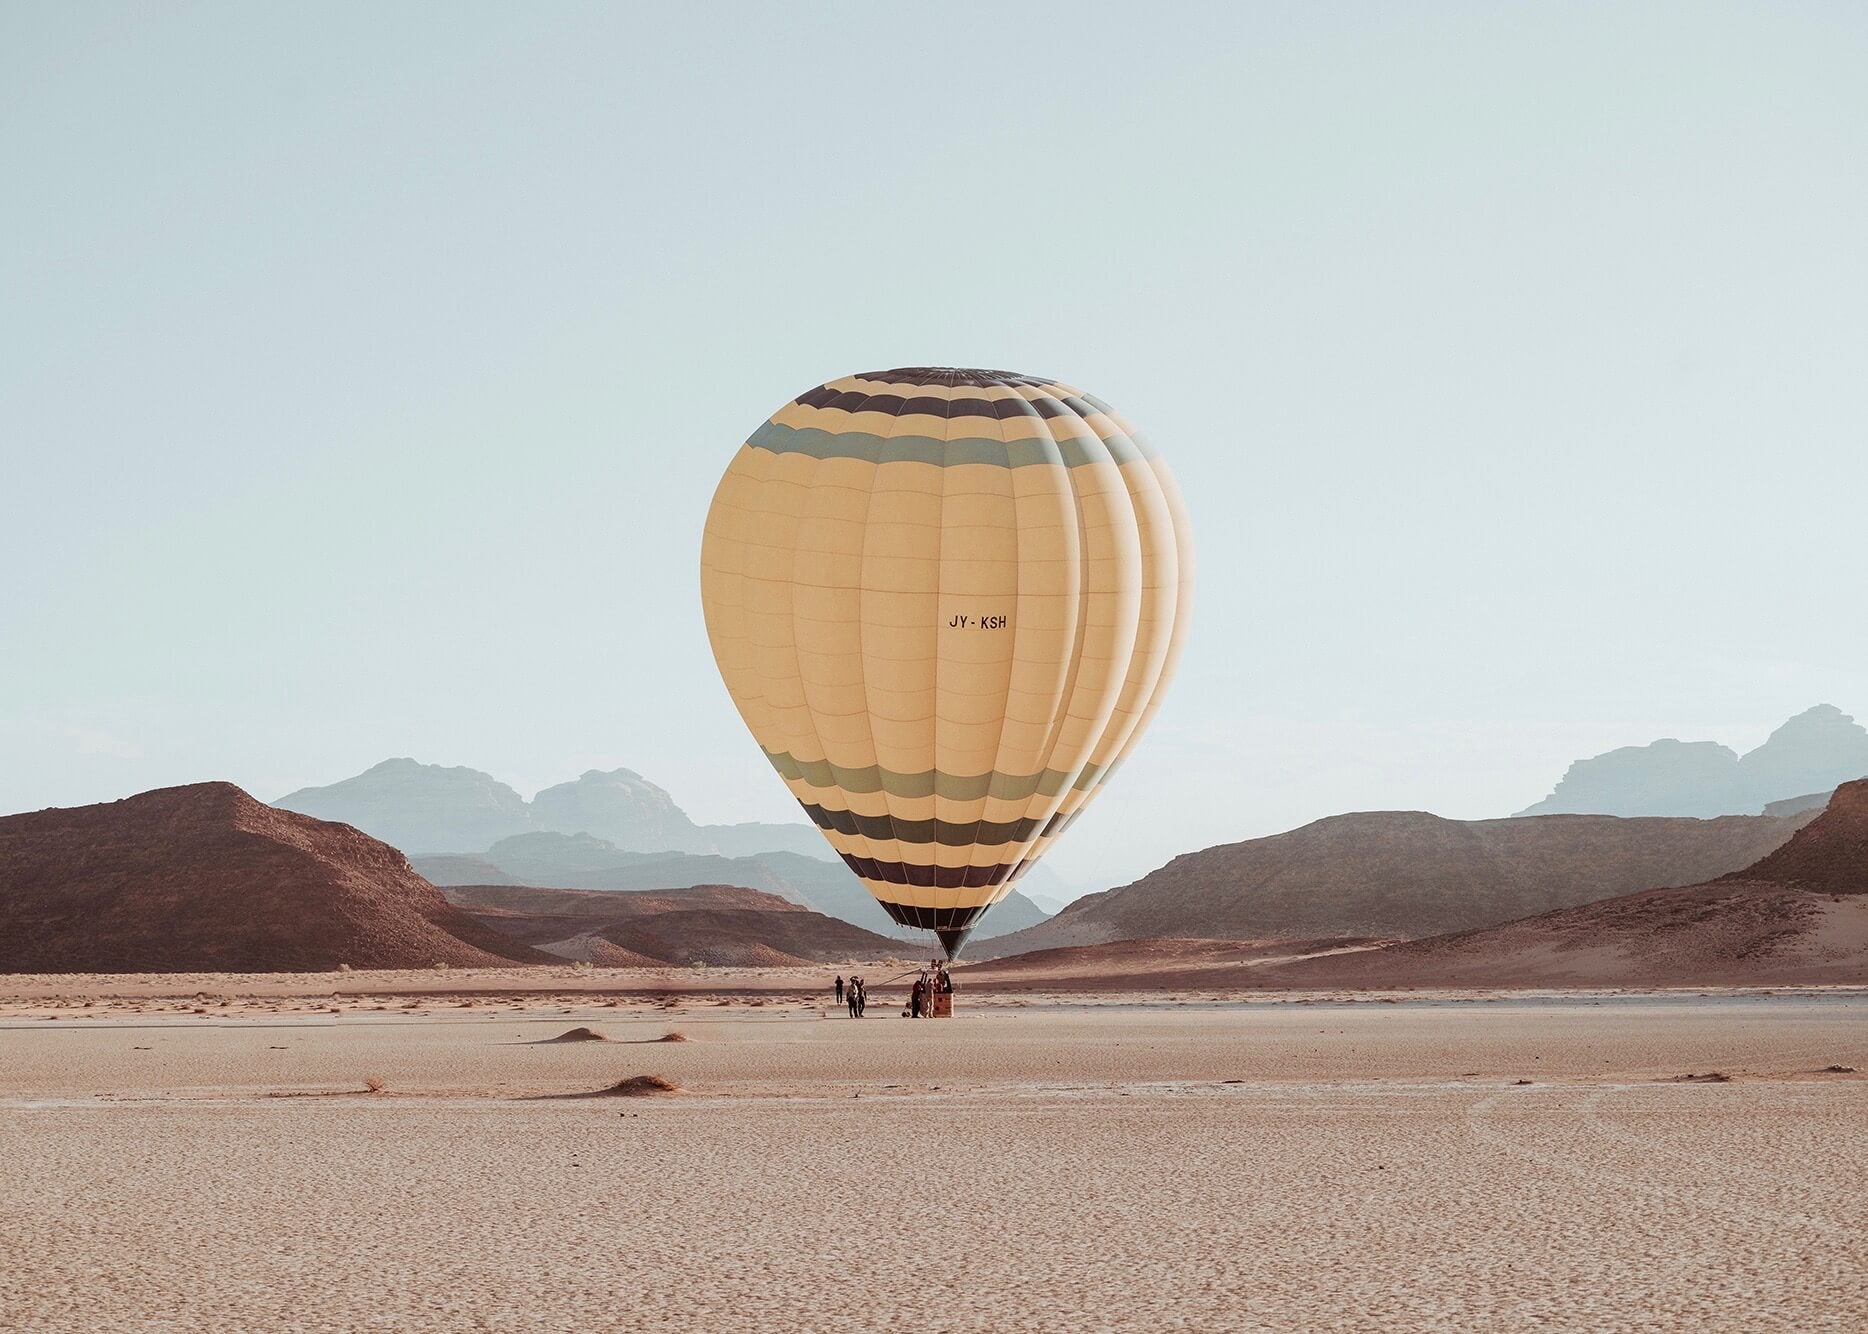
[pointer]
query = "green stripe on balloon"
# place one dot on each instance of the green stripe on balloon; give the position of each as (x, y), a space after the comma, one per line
(1076, 452)
(932, 782)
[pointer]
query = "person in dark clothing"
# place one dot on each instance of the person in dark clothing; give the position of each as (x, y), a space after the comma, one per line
(839, 988)
(862, 997)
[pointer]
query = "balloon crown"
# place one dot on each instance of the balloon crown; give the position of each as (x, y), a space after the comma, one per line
(954, 376)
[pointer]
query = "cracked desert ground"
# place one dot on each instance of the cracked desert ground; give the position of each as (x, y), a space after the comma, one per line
(212, 1161)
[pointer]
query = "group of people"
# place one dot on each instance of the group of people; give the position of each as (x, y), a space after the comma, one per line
(854, 994)
(933, 981)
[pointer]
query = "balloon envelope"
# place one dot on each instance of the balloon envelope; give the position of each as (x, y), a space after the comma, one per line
(946, 603)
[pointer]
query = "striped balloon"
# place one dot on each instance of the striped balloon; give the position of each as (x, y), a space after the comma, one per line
(946, 603)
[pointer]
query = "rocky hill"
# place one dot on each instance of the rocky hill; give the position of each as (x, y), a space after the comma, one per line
(1404, 874)
(722, 925)
(1830, 855)
(419, 808)
(620, 807)
(1812, 752)
(1797, 916)
(204, 878)
(1696, 779)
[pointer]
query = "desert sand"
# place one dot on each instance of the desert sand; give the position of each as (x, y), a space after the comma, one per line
(1039, 1162)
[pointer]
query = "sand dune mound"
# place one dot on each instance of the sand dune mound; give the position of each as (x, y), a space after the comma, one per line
(716, 925)
(598, 952)
(640, 1086)
(579, 1034)
(1404, 873)
(204, 878)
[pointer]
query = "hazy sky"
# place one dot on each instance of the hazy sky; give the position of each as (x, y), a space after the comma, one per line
(366, 371)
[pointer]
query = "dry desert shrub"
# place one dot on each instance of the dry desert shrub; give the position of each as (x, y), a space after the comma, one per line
(642, 1086)
(374, 1085)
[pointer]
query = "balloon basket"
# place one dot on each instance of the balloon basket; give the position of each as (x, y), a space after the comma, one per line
(942, 1008)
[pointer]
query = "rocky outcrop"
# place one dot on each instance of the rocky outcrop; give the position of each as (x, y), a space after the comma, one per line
(1696, 779)
(1818, 750)
(1830, 854)
(1798, 916)
(1404, 874)
(206, 879)
(419, 808)
(620, 807)
(1812, 752)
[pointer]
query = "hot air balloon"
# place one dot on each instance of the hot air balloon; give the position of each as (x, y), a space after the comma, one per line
(946, 603)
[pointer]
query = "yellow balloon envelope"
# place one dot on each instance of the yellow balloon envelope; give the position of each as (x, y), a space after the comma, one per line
(946, 603)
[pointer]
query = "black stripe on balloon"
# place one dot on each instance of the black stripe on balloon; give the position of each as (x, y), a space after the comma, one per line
(932, 919)
(896, 405)
(947, 833)
(938, 877)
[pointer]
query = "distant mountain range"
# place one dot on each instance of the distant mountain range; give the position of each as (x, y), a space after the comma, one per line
(1806, 758)
(610, 830)
(1404, 874)
(206, 879)
(710, 924)
(579, 861)
(428, 808)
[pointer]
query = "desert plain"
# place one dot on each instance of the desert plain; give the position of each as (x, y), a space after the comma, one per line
(415, 1151)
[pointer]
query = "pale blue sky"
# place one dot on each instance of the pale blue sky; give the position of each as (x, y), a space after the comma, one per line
(365, 371)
